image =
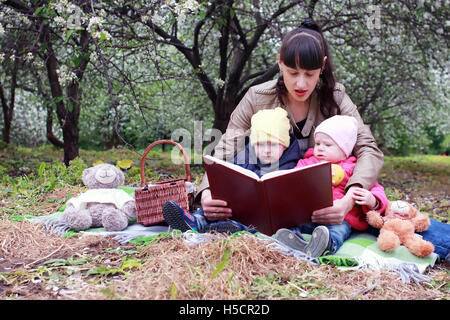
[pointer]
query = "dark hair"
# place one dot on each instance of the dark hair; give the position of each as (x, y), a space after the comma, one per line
(305, 47)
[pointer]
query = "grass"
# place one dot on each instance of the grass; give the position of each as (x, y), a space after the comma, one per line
(38, 265)
(422, 180)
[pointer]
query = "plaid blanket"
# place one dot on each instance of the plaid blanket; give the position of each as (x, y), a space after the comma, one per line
(362, 251)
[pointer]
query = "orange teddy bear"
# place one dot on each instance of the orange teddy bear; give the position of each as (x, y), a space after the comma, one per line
(398, 226)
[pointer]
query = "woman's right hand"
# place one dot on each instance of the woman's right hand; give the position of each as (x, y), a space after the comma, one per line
(214, 209)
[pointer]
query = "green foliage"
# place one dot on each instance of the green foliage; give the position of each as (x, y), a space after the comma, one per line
(71, 261)
(446, 145)
(147, 240)
(128, 264)
(124, 164)
(57, 174)
(275, 285)
(222, 264)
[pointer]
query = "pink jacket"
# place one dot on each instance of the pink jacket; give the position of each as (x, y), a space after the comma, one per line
(356, 217)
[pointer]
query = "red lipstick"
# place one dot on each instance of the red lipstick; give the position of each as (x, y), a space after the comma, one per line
(300, 93)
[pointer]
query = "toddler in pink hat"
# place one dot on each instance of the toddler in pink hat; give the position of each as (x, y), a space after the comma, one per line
(334, 140)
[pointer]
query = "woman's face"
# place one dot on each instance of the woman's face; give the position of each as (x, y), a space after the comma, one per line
(300, 83)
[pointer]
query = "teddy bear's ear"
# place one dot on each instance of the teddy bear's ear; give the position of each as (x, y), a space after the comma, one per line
(412, 211)
(85, 175)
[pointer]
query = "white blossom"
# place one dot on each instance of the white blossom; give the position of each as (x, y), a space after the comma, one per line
(29, 56)
(93, 57)
(59, 6)
(219, 83)
(94, 21)
(38, 64)
(181, 8)
(146, 18)
(157, 19)
(60, 21)
(2, 30)
(65, 75)
(100, 34)
(2, 57)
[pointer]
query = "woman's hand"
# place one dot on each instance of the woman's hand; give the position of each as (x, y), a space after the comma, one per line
(337, 212)
(214, 209)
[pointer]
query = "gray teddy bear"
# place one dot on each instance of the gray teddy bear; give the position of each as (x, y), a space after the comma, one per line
(103, 204)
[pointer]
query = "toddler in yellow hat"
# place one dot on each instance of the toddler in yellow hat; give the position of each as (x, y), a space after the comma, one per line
(269, 134)
(272, 146)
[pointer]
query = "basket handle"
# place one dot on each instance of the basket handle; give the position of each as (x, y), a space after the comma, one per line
(150, 147)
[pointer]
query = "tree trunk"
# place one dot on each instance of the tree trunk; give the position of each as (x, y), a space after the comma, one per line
(69, 113)
(8, 110)
(69, 123)
(71, 135)
(7, 117)
(114, 141)
(50, 135)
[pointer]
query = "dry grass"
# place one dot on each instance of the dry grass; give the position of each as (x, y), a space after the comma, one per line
(223, 268)
(253, 271)
(25, 244)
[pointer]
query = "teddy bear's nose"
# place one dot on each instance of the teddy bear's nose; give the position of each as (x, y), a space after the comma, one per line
(109, 172)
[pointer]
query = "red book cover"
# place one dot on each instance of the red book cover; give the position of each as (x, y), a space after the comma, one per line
(280, 199)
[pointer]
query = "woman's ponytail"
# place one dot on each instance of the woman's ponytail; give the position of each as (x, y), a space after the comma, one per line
(310, 24)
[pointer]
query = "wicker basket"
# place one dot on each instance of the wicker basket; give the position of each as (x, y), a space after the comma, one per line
(150, 199)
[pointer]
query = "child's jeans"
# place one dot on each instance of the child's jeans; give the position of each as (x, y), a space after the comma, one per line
(438, 233)
(338, 234)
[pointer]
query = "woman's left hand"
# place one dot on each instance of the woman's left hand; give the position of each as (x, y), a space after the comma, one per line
(337, 212)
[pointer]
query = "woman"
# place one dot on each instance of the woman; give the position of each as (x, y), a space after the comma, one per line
(309, 92)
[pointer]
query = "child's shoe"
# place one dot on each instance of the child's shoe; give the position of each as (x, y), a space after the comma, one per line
(291, 239)
(179, 218)
(316, 246)
(225, 226)
(320, 239)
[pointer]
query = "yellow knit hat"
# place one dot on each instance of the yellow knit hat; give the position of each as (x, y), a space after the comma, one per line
(270, 125)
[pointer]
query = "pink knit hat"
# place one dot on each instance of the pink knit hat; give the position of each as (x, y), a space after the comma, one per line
(342, 129)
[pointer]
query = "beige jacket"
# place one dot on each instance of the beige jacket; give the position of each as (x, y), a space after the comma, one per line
(263, 96)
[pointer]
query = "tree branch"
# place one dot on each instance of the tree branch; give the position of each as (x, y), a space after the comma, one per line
(241, 58)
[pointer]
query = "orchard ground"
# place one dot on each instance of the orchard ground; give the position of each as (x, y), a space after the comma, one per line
(35, 264)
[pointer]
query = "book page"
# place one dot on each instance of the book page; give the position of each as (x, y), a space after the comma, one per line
(278, 173)
(232, 166)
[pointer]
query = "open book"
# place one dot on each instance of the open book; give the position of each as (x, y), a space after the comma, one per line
(279, 199)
